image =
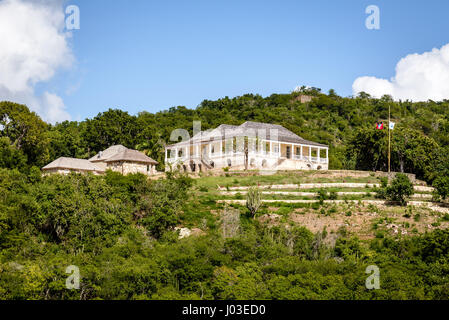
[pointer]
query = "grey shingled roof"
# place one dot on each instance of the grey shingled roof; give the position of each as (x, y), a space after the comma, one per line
(109, 152)
(72, 164)
(131, 155)
(249, 128)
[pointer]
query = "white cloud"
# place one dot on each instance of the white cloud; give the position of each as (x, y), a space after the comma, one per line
(33, 47)
(419, 77)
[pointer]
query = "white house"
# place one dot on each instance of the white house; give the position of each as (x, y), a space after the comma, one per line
(252, 145)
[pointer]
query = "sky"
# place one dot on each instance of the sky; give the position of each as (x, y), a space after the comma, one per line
(144, 55)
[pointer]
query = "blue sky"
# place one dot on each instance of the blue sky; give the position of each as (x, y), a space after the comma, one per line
(152, 55)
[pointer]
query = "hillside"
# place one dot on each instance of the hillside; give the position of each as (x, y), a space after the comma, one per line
(182, 237)
(175, 238)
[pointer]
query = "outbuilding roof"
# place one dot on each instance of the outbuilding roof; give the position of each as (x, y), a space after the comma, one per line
(72, 164)
(121, 153)
(132, 156)
(109, 152)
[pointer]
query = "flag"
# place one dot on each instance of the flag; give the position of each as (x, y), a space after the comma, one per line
(380, 126)
(392, 124)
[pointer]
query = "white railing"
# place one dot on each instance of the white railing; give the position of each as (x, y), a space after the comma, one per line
(239, 153)
(311, 159)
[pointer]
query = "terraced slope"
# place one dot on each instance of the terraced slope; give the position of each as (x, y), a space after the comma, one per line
(293, 198)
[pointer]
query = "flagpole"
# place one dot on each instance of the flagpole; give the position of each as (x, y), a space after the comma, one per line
(389, 138)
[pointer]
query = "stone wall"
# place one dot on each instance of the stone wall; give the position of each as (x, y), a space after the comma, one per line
(131, 167)
(68, 171)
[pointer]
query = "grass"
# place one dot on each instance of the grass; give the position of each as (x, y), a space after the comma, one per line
(292, 178)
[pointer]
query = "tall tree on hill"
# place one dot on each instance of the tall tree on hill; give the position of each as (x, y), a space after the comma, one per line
(26, 132)
(111, 128)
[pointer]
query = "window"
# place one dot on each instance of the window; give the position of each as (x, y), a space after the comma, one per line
(229, 163)
(148, 168)
(276, 148)
(288, 153)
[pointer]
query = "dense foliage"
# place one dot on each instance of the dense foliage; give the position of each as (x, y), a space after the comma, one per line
(120, 231)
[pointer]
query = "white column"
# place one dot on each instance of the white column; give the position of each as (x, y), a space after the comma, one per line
(271, 147)
(310, 153)
(210, 150)
(221, 148)
(319, 156)
(280, 153)
(327, 155)
(166, 152)
(300, 151)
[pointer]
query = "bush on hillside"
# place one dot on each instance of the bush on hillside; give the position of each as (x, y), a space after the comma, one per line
(400, 189)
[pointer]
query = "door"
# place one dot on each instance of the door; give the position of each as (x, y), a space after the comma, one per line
(289, 152)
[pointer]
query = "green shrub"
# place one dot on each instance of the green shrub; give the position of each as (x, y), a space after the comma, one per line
(441, 185)
(399, 190)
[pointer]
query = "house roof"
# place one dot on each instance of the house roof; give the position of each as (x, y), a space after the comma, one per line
(272, 132)
(109, 152)
(131, 155)
(72, 164)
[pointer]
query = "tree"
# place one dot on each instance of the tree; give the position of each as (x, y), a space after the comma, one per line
(441, 185)
(26, 132)
(368, 148)
(110, 128)
(159, 208)
(400, 189)
(10, 156)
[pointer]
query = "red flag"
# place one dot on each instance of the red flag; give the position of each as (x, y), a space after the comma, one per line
(380, 126)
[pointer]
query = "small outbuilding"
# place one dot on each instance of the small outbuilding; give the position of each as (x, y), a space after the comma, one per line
(116, 158)
(65, 165)
(121, 159)
(131, 161)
